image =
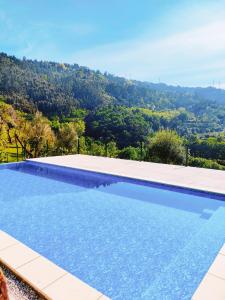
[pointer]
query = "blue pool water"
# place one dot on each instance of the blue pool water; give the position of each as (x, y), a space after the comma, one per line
(128, 239)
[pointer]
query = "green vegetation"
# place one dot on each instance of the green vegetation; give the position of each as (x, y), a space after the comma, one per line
(121, 124)
(205, 163)
(167, 147)
(130, 153)
(48, 108)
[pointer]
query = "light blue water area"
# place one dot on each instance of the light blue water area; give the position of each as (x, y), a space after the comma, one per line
(128, 240)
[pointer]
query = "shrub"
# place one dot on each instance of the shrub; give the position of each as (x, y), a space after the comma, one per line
(129, 153)
(205, 163)
(166, 147)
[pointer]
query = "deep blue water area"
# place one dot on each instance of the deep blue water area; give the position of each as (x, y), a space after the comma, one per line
(126, 238)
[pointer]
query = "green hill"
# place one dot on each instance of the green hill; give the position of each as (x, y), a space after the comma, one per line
(58, 89)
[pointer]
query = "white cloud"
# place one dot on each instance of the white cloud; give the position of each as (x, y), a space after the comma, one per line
(195, 55)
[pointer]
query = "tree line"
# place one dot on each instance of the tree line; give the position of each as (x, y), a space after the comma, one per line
(127, 133)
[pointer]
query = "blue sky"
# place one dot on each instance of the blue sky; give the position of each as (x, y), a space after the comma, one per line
(176, 42)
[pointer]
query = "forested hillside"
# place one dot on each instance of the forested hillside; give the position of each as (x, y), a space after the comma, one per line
(59, 89)
(106, 112)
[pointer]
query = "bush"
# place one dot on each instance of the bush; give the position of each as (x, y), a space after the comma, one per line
(205, 163)
(129, 153)
(112, 150)
(166, 147)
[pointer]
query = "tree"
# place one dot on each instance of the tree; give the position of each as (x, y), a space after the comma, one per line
(166, 147)
(125, 126)
(9, 118)
(41, 137)
(22, 132)
(67, 137)
(79, 126)
(3, 142)
(36, 136)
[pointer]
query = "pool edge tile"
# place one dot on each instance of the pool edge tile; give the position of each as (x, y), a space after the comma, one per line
(211, 287)
(71, 287)
(17, 255)
(6, 240)
(218, 266)
(41, 271)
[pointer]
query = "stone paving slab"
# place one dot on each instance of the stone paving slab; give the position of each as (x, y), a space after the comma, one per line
(211, 288)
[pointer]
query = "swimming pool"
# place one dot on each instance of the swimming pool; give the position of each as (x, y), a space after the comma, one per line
(128, 239)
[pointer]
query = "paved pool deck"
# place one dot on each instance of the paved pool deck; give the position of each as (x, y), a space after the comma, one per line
(188, 177)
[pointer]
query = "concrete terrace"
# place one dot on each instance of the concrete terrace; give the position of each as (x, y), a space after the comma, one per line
(188, 177)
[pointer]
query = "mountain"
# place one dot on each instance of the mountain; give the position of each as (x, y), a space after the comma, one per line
(208, 93)
(59, 89)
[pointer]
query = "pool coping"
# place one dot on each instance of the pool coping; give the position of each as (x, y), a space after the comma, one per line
(50, 281)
